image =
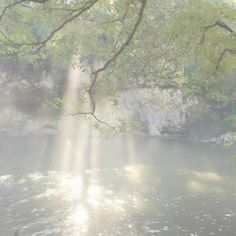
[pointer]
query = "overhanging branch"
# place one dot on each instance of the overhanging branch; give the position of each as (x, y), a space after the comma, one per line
(41, 44)
(225, 27)
(8, 7)
(96, 73)
(224, 52)
(74, 14)
(19, 2)
(218, 23)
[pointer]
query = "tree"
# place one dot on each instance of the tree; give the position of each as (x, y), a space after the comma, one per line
(190, 43)
(205, 34)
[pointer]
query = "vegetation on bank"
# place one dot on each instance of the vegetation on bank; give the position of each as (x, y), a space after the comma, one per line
(187, 44)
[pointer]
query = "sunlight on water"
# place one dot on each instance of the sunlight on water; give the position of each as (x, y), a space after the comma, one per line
(35, 176)
(134, 172)
(78, 219)
(72, 186)
(63, 204)
(118, 204)
(5, 179)
(48, 193)
(95, 195)
(210, 176)
(134, 198)
(196, 186)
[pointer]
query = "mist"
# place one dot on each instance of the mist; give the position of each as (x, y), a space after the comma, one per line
(117, 118)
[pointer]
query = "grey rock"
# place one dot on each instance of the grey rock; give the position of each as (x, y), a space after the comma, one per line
(163, 111)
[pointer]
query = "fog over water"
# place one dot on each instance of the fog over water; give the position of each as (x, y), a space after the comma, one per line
(70, 179)
(123, 185)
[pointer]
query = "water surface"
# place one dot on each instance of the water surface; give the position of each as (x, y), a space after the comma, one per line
(121, 186)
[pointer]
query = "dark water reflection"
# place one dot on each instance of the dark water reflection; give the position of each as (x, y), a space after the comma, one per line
(123, 186)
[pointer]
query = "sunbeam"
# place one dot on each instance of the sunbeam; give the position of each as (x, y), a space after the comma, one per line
(70, 148)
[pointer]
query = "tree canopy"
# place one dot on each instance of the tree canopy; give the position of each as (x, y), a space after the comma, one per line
(189, 44)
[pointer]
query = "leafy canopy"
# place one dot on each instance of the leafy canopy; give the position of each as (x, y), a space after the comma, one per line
(189, 44)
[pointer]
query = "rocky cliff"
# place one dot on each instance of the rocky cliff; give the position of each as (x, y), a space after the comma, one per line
(157, 112)
(154, 112)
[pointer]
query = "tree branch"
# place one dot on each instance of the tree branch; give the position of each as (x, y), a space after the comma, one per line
(224, 26)
(226, 50)
(218, 23)
(74, 14)
(9, 6)
(19, 2)
(112, 59)
(38, 1)
(121, 19)
(42, 43)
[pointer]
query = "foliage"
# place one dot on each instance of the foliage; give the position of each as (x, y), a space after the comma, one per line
(189, 42)
(204, 32)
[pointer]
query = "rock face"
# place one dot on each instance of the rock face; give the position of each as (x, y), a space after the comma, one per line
(25, 93)
(157, 112)
(31, 128)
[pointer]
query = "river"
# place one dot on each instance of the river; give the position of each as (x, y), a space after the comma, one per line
(117, 186)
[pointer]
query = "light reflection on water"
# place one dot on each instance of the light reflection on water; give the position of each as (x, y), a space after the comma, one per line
(62, 201)
(171, 194)
(55, 203)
